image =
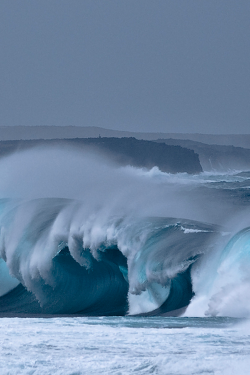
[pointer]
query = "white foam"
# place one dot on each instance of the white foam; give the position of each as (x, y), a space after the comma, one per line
(92, 346)
(189, 230)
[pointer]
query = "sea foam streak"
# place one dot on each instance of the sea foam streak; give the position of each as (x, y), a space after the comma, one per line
(81, 235)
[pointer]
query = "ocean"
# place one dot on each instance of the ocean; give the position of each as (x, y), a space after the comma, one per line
(124, 345)
(120, 270)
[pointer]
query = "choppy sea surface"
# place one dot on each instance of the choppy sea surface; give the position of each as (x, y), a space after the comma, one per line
(124, 345)
(95, 258)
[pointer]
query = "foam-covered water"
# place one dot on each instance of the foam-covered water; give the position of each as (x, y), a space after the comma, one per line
(124, 345)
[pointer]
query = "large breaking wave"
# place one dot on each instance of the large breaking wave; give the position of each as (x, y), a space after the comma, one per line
(80, 235)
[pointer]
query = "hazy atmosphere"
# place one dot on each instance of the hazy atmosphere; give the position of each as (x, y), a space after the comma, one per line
(162, 66)
(124, 187)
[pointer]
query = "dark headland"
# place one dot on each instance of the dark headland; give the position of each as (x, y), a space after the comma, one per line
(15, 133)
(215, 157)
(124, 151)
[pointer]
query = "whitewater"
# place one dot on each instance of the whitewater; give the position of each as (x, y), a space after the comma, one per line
(110, 269)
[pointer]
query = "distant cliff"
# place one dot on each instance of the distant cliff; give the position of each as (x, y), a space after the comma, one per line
(125, 151)
(11, 133)
(215, 157)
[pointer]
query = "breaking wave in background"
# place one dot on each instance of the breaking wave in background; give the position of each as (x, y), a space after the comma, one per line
(81, 235)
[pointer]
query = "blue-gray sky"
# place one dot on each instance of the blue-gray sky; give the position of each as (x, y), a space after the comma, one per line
(158, 65)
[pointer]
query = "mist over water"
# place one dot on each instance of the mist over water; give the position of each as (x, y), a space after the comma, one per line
(102, 185)
(83, 235)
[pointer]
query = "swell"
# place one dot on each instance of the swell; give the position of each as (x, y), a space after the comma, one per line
(180, 295)
(99, 291)
(106, 296)
(65, 265)
(114, 242)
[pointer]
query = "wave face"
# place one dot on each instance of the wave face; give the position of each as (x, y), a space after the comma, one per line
(63, 266)
(82, 236)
